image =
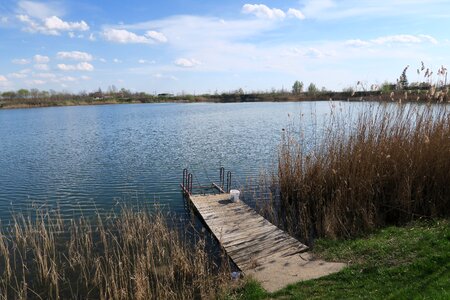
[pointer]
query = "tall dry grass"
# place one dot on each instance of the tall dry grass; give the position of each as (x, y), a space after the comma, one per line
(388, 165)
(131, 255)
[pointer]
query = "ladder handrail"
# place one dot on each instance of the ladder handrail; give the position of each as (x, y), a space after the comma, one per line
(187, 184)
(228, 181)
(222, 176)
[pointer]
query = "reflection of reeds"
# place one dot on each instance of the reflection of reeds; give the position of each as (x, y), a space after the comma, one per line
(131, 255)
(387, 166)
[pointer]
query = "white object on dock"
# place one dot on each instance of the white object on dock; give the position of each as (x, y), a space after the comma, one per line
(235, 195)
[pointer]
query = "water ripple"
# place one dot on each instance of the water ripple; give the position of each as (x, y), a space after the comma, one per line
(90, 158)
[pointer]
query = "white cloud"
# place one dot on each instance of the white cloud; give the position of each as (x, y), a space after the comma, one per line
(405, 38)
(74, 55)
(35, 82)
(219, 44)
(102, 60)
(316, 8)
(17, 75)
(193, 32)
(20, 74)
(144, 61)
(263, 11)
(226, 46)
(92, 37)
(4, 82)
(156, 36)
(41, 67)
(55, 23)
(77, 67)
(162, 76)
(116, 60)
(392, 39)
(67, 79)
(20, 61)
(44, 75)
(345, 9)
(428, 38)
(314, 53)
(124, 36)
(308, 52)
(295, 13)
(51, 25)
(357, 43)
(186, 62)
(83, 66)
(40, 10)
(397, 39)
(84, 77)
(32, 26)
(41, 59)
(4, 20)
(71, 35)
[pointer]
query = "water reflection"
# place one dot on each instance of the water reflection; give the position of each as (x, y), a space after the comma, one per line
(91, 157)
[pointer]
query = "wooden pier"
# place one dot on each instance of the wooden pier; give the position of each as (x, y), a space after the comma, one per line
(256, 246)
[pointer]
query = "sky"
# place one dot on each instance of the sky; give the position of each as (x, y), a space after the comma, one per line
(187, 46)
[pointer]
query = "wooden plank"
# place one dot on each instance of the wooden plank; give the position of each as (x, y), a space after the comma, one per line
(261, 251)
(261, 239)
(239, 212)
(231, 221)
(218, 187)
(244, 234)
(252, 233)
(238, 222)
(258, 247)
(273, 243)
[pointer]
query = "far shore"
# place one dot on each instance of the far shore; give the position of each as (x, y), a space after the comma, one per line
(139, 98)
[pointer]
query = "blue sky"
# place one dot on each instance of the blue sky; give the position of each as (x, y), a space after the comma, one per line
(207, 46)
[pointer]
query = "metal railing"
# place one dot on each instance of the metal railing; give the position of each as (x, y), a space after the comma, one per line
(187, 182)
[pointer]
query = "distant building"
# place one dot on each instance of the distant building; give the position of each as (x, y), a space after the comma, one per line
(166, 95)
(96, 95)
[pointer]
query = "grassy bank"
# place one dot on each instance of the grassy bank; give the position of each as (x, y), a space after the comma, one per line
(131, 255)
(34, 103)
(411, 262)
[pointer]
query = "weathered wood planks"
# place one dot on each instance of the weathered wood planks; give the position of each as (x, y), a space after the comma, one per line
(256, 246)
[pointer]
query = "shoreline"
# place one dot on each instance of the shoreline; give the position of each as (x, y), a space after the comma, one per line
(413, 96)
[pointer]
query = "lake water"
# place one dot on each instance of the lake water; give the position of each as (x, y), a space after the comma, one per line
(93, 157)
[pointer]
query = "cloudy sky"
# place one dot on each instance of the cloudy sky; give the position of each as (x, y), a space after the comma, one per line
(206, 46)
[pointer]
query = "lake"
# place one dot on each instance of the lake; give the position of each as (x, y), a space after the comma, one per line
(91, 158)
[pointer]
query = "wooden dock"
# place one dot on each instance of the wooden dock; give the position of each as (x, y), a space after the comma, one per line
(256, 246)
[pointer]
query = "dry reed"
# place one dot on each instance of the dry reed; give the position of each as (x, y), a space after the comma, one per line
(388, 165)
(129, 255)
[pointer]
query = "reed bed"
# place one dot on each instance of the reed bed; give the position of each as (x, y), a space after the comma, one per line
(387, 166)
(128, 255)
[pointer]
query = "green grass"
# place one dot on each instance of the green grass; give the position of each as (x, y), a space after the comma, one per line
(411, 262)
